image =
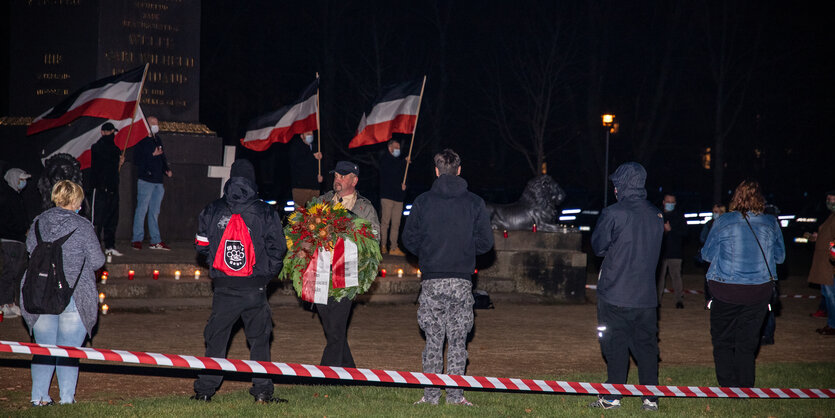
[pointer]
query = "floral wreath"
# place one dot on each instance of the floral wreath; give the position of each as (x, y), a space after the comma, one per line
(321, 225)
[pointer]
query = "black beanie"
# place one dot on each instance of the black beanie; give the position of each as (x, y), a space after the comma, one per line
(243, 168)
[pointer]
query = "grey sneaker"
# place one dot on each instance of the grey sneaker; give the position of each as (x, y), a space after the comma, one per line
(649, 406)
(113, 252)
(424, 401)
(10, 311)
(602, 403)
(462, 402)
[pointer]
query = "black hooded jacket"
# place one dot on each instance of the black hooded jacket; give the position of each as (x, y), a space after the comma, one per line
(240, 196)
(447, 227)
(628, 234)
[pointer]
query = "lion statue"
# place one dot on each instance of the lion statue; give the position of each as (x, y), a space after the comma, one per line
(537, 205)
(58, 167)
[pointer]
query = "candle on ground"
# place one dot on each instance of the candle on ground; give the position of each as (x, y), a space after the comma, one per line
(130, 274)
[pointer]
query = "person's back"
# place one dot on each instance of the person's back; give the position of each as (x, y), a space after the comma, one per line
(628, 234)
(734, 254)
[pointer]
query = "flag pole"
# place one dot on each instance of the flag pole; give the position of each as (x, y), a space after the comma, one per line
(135, 108)
(417, 115)
(318, 126)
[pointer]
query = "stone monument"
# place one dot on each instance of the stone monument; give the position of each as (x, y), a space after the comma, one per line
(58, 46)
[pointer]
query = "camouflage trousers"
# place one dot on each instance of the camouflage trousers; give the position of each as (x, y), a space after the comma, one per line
(446, 311)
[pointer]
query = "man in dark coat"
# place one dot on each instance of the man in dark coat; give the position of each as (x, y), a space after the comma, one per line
(13, 227)
(447, 227)
(675, 229)
(151, 168)
(628, 234)
(106, 161)
(304, 169)
(241, 297)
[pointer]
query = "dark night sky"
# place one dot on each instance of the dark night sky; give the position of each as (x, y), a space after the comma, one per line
(651, 64)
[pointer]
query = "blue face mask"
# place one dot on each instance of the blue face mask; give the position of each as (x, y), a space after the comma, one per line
(308, 139)
(396, 153)
(669, 207)
(78, 210)
(21, 184)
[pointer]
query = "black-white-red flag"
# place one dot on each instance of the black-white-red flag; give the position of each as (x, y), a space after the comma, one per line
(395, 111)
(108, 98)
(282, 124)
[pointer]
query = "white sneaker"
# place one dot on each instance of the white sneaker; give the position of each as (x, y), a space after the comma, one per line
(112, 251)
(10, 310)
(649, 406)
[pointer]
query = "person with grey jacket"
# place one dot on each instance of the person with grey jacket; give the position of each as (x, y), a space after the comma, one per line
(82, 256)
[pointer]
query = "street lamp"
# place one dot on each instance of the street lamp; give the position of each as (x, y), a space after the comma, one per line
(611, 127)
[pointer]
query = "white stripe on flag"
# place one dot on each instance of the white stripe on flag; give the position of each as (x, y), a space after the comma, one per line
(298, 112)
(123, 91)
(352, 277)
(323, 276)
(387, 111)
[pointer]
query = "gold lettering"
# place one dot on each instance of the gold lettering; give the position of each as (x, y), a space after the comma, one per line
(53, 76)
(52, 59)
(52, 92)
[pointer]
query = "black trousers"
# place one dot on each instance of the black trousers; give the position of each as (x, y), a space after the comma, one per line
(622, 331)
(334, 317)
(735, 332)
(106, 215)
(13, 265)
(251, 306)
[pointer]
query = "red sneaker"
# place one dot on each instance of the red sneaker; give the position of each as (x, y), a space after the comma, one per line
(820, 313)
(137, 245)
(159, 246)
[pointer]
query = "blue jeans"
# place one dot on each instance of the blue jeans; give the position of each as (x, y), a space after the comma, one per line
(148, 200)
(828, 293)
(64, 329)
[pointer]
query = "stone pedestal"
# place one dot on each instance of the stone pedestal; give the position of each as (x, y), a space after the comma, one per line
(541, 263)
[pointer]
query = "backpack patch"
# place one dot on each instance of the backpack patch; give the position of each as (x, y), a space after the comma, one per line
(235, 255)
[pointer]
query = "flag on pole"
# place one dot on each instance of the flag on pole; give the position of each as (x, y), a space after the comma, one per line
(394, 111)
(282, 124)
(79, 136)
(108, 98)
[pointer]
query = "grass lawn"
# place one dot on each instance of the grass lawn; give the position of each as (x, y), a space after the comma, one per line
(362, 400)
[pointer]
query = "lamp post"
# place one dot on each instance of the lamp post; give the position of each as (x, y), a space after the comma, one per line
(611, 126)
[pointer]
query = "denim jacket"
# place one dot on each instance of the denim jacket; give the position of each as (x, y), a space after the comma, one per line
(733, 253)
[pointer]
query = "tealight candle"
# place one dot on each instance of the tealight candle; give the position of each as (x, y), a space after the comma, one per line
(505, 233)
(419, 274)
(383, 273)
(196, 274)
(101, 297)
(476, 271)
(534, 227)
(399, 272)
(177, 275)
(130, 274)
(103, 277)
(104, 309)
(156, 274)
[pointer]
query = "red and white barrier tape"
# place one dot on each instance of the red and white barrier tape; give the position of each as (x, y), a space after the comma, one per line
(701, 292)
(407, 378)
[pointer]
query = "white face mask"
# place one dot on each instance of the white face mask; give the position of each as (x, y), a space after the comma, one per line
(21, 184)
(308, 139)
(154, 129)
(396, 152)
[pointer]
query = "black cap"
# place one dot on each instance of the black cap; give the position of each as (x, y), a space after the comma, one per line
(243, 168)
(345, 167)
(109, 127)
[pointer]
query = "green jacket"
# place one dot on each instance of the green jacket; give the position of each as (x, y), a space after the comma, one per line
(362, 208)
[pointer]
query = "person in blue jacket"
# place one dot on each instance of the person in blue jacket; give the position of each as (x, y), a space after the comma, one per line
(628, 235)
(743, 249)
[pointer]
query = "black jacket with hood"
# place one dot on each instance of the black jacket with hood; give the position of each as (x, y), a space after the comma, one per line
(447, 227)
(628, 234)
(240, 196)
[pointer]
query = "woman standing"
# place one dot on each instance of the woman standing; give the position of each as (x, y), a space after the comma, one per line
(737, 248)
(82, 255)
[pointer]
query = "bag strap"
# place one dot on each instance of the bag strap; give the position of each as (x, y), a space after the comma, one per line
(83, 263)
(770, 276)
(38, 231)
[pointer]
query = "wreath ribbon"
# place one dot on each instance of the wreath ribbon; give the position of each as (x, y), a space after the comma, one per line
(316, 278)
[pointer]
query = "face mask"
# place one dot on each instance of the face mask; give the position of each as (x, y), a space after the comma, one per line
(396, 152)
(78, 210)
(21, 184)
(716, 215)
(669, 207)
(308, 139)
(154, 129)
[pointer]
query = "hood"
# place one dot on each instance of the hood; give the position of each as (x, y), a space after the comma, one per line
(57, 222)
(13, 177)
(630, 179)
(240, 189)
(448, 185)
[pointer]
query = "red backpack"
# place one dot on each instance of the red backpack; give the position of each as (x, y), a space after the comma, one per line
(235, 255)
